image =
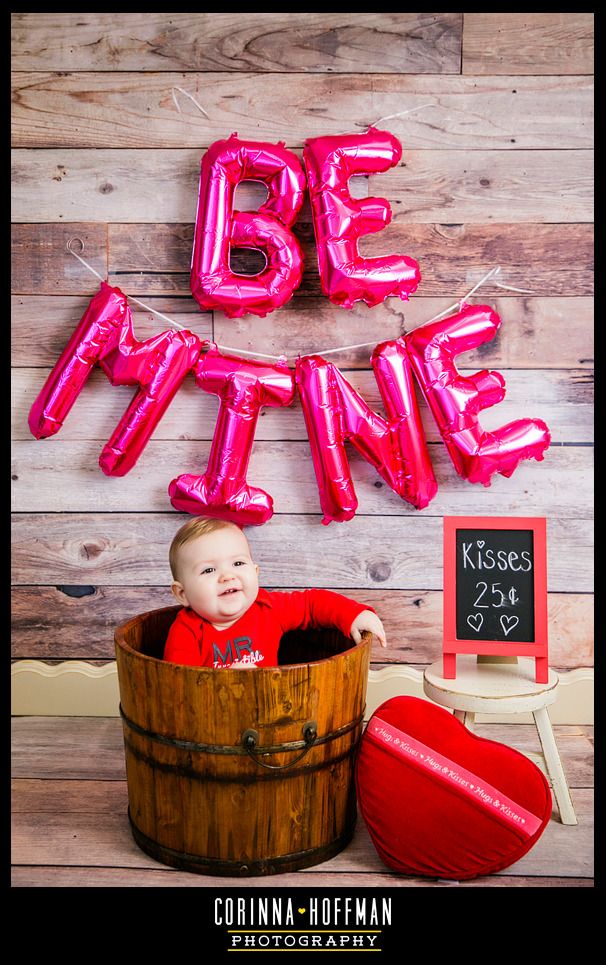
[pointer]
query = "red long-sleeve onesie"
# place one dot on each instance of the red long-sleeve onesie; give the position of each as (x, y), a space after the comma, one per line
(255, 637)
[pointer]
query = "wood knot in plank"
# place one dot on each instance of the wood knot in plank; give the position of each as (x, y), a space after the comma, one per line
(379, 572)
(89, 551)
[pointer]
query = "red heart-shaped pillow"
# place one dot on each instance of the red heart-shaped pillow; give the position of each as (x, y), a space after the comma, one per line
(439, 801)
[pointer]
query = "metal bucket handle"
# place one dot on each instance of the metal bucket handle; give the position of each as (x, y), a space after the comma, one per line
(250, 740)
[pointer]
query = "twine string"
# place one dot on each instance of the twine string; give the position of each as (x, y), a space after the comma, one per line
(261, 355)
(147, 308)
(327, 351)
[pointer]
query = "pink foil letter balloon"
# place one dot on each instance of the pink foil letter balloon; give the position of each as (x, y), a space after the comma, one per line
(339, 220)
(105, 335)
(456, 400)
(334, 412)
(219, 228)
(243, 388)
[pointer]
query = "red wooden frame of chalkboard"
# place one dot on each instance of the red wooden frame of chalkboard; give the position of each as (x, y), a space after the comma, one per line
(453, 645)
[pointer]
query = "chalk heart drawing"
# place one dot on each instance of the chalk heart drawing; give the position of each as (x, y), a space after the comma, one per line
(301, 911)
(480, 542)
(509, 623)
(475, 621)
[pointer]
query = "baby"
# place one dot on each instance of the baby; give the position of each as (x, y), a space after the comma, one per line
(226, 620)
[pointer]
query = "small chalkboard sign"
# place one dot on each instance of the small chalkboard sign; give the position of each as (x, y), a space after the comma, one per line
(495, 589)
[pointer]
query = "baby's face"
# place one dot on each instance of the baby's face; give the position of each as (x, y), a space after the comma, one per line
(217, 576)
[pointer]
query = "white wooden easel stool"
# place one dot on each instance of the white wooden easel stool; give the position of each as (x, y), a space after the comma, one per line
(504, 688)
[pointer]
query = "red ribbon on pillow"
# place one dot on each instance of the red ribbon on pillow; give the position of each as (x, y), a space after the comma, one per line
(498, 805)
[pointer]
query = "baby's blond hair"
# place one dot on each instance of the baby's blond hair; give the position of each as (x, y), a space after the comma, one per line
(192, 529)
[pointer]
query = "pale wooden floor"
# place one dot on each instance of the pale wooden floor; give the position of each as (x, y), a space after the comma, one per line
(70, 826)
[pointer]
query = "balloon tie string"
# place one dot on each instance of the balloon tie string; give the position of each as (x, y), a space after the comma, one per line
(509, 288)
(283, 358)
(388, 117)
(411, 110)
(191, 97)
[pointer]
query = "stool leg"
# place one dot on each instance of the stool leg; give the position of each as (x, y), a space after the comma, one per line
(554, 767)
(466, 717)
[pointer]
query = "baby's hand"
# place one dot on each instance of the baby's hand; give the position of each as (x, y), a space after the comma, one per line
(367, 620)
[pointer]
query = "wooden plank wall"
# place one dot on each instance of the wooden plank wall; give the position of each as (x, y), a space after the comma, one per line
(496, 170)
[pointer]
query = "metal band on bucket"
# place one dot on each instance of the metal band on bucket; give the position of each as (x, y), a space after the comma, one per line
(270, 865)
(458, 778)
(239, 748)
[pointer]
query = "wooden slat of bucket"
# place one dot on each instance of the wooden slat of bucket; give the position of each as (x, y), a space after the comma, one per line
(221, 812)
(274, 700)
(265, 817)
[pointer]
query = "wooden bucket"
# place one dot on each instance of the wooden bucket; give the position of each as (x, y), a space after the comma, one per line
(241, 772)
